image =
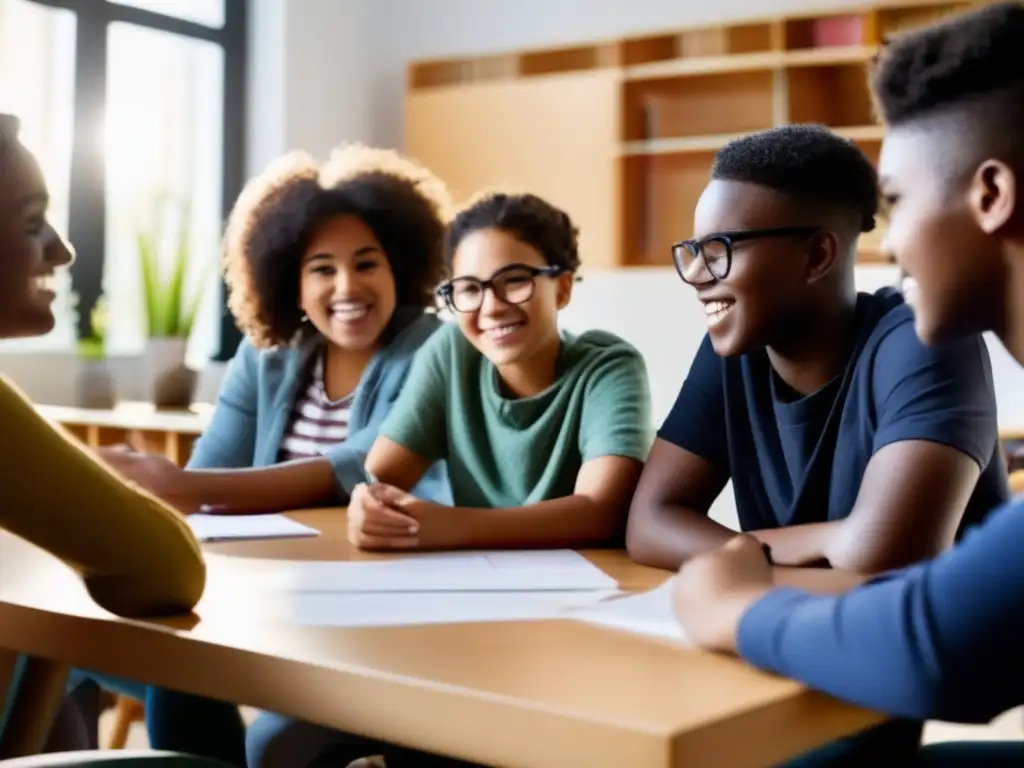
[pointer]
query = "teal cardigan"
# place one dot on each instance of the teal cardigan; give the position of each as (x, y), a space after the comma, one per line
(260, 388)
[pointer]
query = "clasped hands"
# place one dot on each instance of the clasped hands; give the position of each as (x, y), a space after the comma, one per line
(383, 517)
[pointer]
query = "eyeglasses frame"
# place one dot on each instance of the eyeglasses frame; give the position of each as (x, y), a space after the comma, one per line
(728, 238)
(446, 290)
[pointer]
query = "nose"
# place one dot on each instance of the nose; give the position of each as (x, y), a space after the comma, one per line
(697, 273)
(58, 252)
(344, 282)
(490, 304)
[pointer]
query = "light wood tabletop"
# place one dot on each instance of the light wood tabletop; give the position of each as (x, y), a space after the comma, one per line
(538, 693)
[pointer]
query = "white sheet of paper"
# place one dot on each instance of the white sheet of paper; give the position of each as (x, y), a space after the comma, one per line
(531, 571)
(647, 613)
(228, 527)
(384, 609)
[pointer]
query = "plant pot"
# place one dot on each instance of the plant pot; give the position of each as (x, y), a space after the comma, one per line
(169, 381)
(94, 386)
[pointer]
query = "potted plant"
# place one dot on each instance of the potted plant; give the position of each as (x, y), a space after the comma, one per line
(94, 386)
(168, 312)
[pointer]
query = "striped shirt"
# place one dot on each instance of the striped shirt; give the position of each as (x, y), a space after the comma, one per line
(316, 422)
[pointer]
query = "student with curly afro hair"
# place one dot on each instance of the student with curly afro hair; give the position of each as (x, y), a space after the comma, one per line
(941, 639)
(544, 433)
(331, 272)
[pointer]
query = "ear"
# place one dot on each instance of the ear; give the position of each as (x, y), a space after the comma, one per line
(563, 287)
(992, 197)
(823, 253)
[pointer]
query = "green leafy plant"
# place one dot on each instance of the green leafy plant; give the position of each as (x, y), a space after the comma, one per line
(169, 312)
(93, 346)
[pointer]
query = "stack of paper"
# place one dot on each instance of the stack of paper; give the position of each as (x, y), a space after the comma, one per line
(533, 571)
(648, 613)
(238, 527)
(433, 589)
(389, 609)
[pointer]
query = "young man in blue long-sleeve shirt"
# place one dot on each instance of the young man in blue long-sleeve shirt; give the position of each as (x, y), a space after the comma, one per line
(941, 639)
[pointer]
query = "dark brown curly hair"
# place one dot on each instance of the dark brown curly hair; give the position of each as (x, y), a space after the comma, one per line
(526, 217)
(405, 205)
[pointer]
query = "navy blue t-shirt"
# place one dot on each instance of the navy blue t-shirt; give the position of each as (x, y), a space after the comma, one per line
(795, 460)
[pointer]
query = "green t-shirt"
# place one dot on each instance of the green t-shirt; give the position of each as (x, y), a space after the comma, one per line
(505, 453)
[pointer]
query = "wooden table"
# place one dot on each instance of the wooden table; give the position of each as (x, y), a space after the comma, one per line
(544, 693)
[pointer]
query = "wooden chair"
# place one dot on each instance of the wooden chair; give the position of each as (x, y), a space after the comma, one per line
(127, 711)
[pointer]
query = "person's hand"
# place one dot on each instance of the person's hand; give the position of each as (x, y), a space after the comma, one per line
(376, 520)
(381, 516)
(154, 473)
(712, 591)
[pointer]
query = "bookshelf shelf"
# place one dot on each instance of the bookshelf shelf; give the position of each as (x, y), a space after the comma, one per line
(622, 133)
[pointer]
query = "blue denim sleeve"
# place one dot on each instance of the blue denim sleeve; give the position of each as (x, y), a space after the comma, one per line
(938, 640)
(229, 442)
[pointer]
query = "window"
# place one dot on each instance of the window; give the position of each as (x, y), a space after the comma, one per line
(208, 12)
(163, 150)
(135, 109)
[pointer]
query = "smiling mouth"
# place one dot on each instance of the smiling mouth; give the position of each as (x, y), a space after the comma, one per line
(43, 286)
(502, 331)
(350, 313)
(715, 311)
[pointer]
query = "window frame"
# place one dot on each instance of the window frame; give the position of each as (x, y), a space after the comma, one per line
(87, 194)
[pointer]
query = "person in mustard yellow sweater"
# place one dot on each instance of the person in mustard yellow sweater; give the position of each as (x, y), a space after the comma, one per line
(88, 517)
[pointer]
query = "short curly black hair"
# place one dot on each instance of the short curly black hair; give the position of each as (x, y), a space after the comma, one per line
(808, 163)
(955, 63)
(526, 217)
(405, 205)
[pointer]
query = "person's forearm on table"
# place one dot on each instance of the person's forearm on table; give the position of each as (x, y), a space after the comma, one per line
(291, 485)
(800, 556)
(667, 536)
(826, 581)
(572, 521)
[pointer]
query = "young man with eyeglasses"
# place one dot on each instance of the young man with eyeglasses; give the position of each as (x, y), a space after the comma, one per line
(851, 446)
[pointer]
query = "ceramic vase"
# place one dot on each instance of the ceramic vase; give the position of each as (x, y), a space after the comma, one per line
(94, 386)
(170, 382)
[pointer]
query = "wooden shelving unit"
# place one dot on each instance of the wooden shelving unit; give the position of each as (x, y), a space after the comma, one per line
(622, 133)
